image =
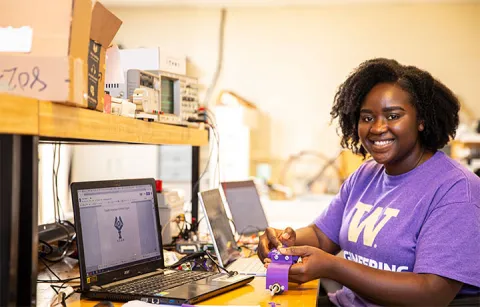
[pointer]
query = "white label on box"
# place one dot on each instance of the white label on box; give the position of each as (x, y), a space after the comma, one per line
(16, 39)
(44, 78)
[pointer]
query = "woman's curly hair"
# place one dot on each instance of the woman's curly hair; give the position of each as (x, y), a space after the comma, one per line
(436, 104)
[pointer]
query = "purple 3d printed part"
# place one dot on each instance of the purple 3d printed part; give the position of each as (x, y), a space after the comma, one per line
(277, 271)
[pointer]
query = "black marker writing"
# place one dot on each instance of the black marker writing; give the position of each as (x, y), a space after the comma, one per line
(36, 75)
(13, 70)
(23, 78)
(26, 78)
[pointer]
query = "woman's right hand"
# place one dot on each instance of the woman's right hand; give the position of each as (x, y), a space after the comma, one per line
(274, 238)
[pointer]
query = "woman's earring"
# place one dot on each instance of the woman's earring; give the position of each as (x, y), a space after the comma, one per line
(421, 127)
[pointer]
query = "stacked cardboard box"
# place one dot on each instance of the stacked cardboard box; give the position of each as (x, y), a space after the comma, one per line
(103, 28)
(53, 49)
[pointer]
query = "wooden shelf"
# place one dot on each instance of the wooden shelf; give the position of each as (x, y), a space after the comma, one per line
(18, 115)
(60, 121)
(56, 121)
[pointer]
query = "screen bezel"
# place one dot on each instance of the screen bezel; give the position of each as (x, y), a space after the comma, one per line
(221, 261)
(244, 184)
(122, 273)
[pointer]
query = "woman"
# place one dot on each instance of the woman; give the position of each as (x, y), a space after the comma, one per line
(408, 220)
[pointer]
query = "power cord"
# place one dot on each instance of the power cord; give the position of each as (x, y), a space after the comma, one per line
(58, 279)
(230, 273)
(56, 166)
(192, 257)
(62, 292)
(216, 171)
(61, 297)
(187, 258)
(197, 183)
(218, 70)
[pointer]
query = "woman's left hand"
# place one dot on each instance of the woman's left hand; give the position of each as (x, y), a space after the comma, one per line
(314, 265)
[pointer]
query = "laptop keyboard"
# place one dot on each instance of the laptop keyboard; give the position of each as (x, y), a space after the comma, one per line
(159, 283)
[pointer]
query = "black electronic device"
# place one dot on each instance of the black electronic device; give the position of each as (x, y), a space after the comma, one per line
(56, 240)
(55, 232)
(121, 252)
(190, 247)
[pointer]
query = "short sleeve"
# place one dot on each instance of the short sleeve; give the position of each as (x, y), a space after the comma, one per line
(330, 220)
(449, 243)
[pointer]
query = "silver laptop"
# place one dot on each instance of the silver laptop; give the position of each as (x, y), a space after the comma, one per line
(223, 238)
(245, 205)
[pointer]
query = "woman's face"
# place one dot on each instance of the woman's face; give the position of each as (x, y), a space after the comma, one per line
(388, 128)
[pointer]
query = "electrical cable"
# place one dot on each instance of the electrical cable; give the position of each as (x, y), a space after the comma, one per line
(187, 258)
(67, 280)
(48, 268)
(63, 293)
(218, 70)
(204, 172)
(211, 88)
(193, 256)
(57, 218)
(66, 246)
(47, 245)
(230, 273)
(59, 214)
(210, 112)
(197, 183)
(200, 220)
(64, 250)
(56, 196)
(216, 171)
(59, 280)
(217, 138)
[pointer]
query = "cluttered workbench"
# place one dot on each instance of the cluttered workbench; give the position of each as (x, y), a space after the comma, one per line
(253, 294)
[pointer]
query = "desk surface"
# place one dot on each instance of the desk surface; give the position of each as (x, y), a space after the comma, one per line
(253, 294)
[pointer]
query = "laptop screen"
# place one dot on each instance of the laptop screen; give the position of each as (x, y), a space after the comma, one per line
(244, 203)
(219, 224)
(119, 227)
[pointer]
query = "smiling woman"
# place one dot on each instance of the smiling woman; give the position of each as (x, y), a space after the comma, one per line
(434, 105)
(389, 129)
(394, 217)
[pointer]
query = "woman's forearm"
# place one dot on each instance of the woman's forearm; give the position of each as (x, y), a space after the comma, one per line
(392, 288)
(313, 236)
(307, 236)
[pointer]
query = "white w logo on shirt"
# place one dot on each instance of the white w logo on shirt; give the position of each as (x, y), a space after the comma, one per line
(370, 232)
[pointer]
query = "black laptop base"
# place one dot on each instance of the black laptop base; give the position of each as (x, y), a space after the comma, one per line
(119, 297)
(190, 293)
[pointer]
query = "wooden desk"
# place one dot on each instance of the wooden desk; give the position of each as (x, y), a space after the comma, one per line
(26, 121)
(253, 294)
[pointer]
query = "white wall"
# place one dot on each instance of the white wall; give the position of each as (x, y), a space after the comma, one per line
(290, 61)
(46, 199)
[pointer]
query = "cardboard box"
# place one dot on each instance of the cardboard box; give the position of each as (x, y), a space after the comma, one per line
(104, 26)
(43, 49)
(153, 59)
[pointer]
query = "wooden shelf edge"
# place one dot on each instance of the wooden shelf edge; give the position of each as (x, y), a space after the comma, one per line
(19, 115)
(66, 122)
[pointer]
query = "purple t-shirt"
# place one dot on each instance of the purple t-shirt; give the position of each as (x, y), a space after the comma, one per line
(424, 221)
